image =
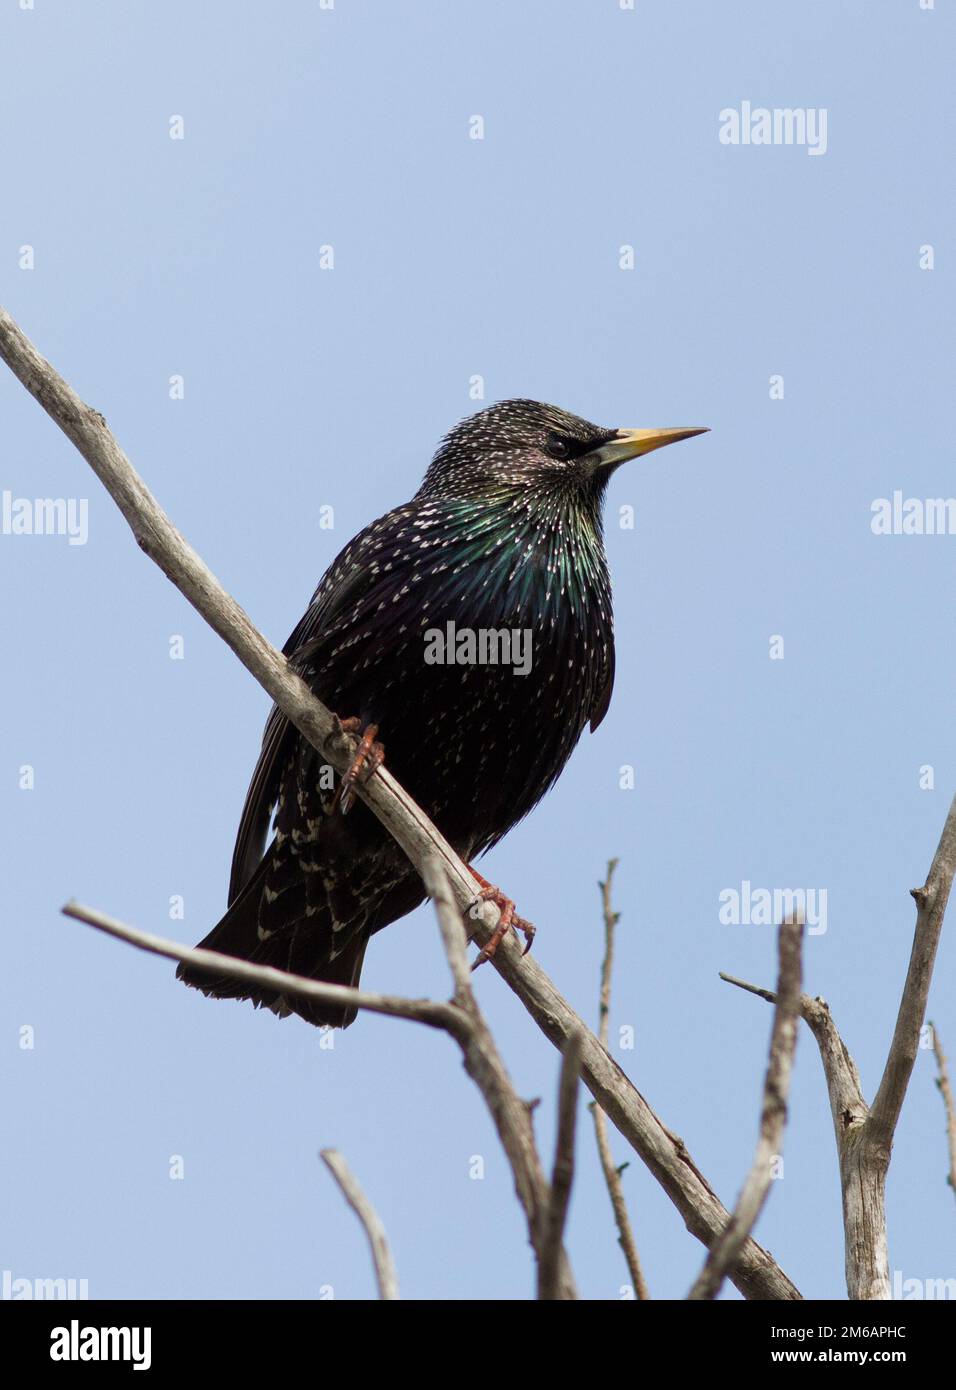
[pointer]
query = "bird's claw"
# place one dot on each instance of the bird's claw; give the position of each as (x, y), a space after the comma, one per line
(507, 920)
(369, 756)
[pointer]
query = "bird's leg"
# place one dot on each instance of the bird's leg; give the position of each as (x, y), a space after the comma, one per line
(508, 918)
(368, 756)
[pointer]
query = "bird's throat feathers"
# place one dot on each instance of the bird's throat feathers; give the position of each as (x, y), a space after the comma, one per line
(523, 550)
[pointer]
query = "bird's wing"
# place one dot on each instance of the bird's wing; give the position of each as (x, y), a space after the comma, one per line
(277, 743)
(600, 707)
(341, 586)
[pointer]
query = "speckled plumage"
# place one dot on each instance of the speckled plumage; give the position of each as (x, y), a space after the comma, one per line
(504, 533)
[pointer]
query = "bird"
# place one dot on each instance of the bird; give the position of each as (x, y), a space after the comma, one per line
(468, 636)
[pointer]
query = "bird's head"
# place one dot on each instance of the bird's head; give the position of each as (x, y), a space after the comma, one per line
(520, 445)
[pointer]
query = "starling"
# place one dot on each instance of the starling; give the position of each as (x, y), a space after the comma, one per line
(470, 629)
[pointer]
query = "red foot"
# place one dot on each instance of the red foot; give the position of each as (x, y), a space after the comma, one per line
(507, 920)
(368, 757)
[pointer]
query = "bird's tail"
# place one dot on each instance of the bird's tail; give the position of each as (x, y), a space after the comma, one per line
(237, 934)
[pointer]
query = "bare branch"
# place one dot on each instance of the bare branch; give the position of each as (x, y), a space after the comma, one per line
(562, 1175)
(848, 1108)
(767, 994)
(418, 1010)
(756, 1274)
(843, 1080)
(611, 919)
(946, 1091)
(773, 1118)
(386, 1275)
(931, 902)
(612, 1174)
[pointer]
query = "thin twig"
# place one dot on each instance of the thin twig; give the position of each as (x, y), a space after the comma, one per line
(386, 1275)
(773, 1118)
(767, 994)
(612, 1174)
(946, 1091)
(562, 1175)
(847, 1105)
(611, 919)
(268, 977)
(756, 1274)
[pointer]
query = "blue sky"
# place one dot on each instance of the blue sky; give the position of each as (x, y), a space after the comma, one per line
(304, 388)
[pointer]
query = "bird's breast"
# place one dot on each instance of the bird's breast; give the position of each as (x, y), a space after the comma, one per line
(481, 661)
(484, 703)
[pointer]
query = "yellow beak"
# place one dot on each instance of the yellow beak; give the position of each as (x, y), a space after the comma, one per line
(629, 444)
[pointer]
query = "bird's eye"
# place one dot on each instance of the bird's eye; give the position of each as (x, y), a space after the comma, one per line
(558, 447)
